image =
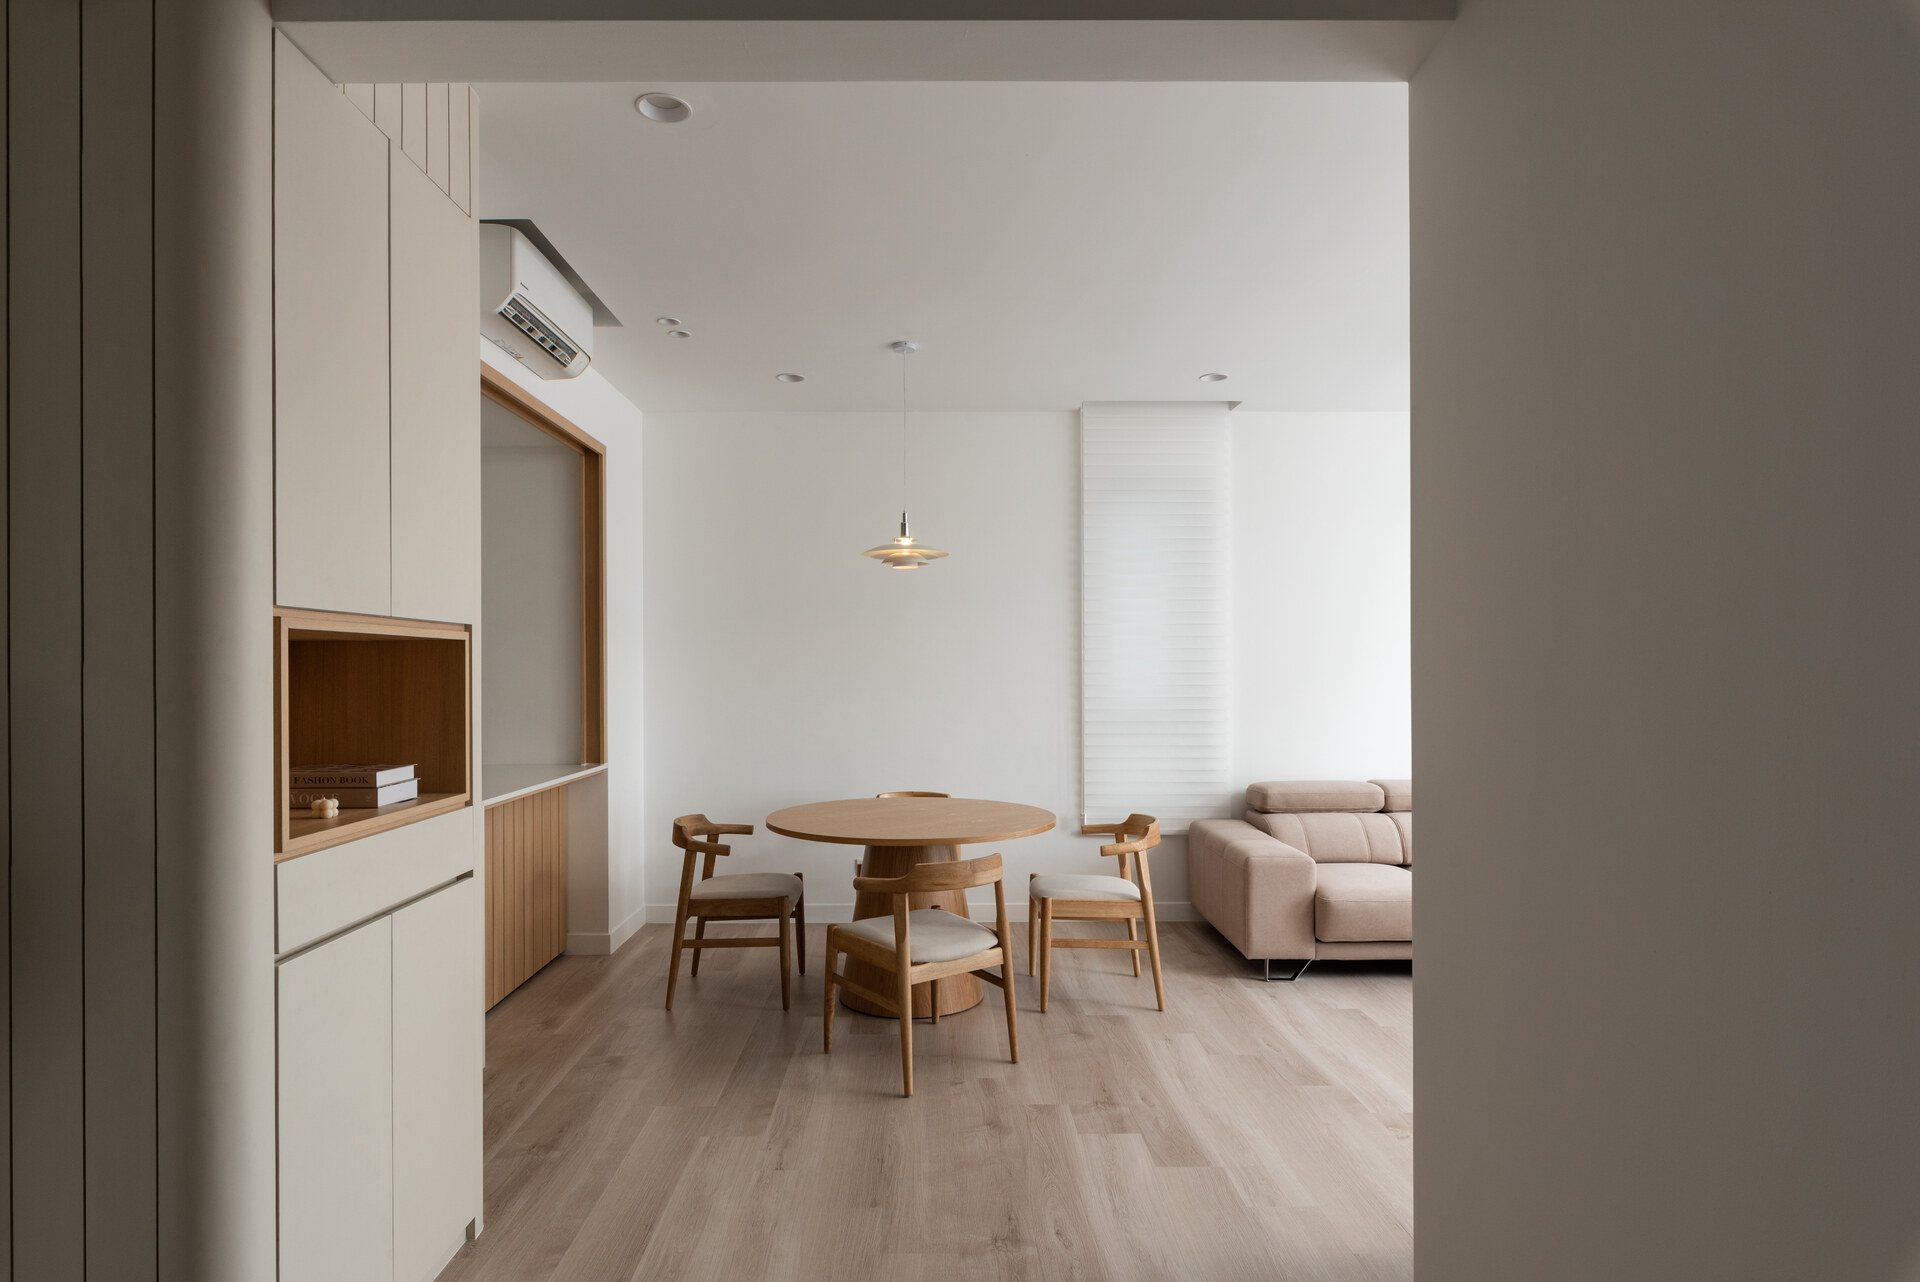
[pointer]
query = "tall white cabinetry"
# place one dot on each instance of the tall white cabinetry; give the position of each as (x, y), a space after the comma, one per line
(437, 1050)
(331, 510)
(336, 1108)
(380, 1024)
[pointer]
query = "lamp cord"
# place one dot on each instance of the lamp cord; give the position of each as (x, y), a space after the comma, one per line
(904, 505)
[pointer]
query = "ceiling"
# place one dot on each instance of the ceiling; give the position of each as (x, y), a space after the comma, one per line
(1046, 243)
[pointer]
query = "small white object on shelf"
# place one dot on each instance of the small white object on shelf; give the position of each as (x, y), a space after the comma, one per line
(325, 807)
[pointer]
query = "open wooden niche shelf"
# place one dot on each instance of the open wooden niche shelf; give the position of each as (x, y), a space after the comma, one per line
(361, 689)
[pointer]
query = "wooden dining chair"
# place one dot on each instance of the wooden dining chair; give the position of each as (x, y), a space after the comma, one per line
(922, 944)
(878, 796)
(1055, 897)
(748, 896)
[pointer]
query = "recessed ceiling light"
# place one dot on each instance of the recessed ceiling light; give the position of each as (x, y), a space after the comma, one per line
(678, 333)
(666, 320)
(791, 378)
(1213, 378)
(662, 107)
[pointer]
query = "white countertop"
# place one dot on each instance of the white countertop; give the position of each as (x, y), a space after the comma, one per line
(503, 783)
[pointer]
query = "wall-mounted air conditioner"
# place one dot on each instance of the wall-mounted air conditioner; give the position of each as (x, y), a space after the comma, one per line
(528, 309)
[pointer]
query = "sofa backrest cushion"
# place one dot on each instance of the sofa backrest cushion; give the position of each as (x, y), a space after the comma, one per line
(1301, 797)
(1403, 820)
(1399, 793)
(1332, 837)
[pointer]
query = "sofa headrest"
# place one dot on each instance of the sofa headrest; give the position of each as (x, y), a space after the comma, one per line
(1399, 793)
(1298, 796)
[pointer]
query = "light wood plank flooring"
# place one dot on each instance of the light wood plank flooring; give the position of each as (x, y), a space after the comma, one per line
(1253, 1131)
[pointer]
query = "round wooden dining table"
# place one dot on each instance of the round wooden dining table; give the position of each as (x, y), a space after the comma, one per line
(899, 832)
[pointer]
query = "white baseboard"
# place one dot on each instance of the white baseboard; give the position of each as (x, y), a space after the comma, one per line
(601, 943)
(821, 914)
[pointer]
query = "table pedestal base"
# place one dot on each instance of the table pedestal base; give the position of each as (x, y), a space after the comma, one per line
(957, 992)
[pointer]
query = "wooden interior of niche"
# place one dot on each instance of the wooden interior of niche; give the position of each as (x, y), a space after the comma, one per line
(363, 689)
(510, 396)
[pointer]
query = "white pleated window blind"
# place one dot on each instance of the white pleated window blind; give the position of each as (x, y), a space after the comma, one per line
(1155, 587)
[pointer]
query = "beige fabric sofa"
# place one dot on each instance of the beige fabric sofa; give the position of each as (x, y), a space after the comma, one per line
(1315, 869)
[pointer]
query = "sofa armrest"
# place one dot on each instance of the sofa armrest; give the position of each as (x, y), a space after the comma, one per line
(1255, 889)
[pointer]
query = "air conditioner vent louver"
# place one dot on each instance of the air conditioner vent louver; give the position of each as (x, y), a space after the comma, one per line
(522, 297)
(541, 330)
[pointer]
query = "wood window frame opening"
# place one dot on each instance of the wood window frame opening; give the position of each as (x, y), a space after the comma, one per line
(510, 396)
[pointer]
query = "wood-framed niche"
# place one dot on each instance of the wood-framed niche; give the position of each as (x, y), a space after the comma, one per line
(510, 396)
(366, 688)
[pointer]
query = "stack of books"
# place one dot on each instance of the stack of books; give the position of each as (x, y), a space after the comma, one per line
(354, 787)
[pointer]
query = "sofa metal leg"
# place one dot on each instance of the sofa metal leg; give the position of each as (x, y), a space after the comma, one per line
(1298, 971)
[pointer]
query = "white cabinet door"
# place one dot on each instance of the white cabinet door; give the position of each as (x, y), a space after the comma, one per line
(436, 401)
(438, 1057)
(336, 1109)
(331, 523)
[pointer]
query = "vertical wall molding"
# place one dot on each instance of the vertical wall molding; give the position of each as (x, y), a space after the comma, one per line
(1155, 611)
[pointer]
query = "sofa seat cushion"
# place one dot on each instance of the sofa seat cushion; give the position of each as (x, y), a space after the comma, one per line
(749, 885)
(1362, 903)
(1074, 885)
(934, 934)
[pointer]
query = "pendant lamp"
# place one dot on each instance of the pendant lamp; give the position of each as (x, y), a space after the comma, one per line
(903, 553)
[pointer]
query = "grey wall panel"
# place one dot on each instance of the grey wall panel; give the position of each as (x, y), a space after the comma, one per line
(6, 769)
(116, 299)
(213, 527)
(1666, 304)
(44, 567)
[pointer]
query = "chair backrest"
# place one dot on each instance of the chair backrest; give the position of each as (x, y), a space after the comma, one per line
(879, 795)
(694, 834)
(1138, 834)
(952, 874)
(1135, 836)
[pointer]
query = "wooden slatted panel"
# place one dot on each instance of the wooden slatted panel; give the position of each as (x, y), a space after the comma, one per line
(526, 888)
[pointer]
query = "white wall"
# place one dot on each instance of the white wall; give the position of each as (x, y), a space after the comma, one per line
(1322, 646)
(784, 668)
(530, 540)
(1666, 310)
(593, 404)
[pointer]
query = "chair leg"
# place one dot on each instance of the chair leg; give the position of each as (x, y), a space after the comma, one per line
(1133, 932)
(1033, 931)
(679, 942)
(786, 959)
(826, 1013)
(800, 924)
(1153, 954)
(699, 932)
(1046, 952)
(933, 999)
(905, 990)
(1013, 1028)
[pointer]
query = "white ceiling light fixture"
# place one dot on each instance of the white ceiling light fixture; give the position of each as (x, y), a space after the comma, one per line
(1213, 378)
(662, 108)
(678, 333)
(669, 321)
(791, 378)
(903, 553)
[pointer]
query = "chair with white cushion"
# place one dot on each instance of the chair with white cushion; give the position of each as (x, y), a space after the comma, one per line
(750, 896)
(922, 944)
(1055, 897)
